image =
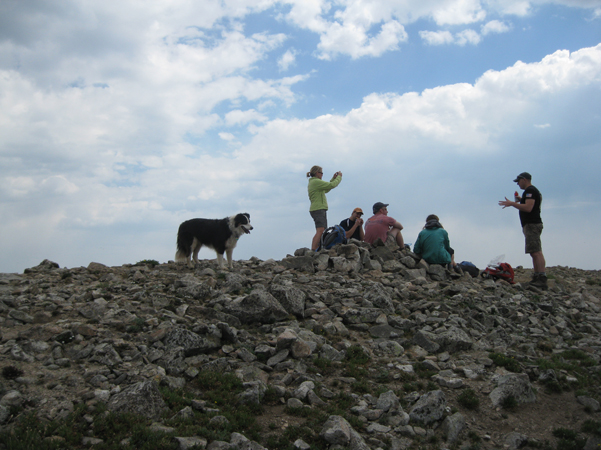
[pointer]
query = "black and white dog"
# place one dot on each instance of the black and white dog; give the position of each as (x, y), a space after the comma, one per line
(219, 234)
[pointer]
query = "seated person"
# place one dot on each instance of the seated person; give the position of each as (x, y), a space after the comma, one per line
(433, 244)
(381, 226)
(354, 225)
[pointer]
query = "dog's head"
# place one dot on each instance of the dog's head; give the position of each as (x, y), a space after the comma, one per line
(242, 221)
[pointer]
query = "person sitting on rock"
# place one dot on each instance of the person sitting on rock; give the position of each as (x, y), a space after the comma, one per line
(354, 225)
(433, 244)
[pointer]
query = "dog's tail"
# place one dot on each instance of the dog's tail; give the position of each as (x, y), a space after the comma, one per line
(184, 247)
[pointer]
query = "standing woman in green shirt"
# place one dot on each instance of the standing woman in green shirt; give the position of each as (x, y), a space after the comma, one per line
(319, 204)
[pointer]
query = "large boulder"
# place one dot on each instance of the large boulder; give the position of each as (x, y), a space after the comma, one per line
(259, 306)
(142, 398)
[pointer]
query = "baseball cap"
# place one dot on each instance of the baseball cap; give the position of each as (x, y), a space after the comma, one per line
(358, 210)
(523, 175)
(379, 205)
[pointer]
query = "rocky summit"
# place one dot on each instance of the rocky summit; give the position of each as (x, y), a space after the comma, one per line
(356, 347)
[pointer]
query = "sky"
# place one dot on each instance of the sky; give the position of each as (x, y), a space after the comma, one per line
(120, 120)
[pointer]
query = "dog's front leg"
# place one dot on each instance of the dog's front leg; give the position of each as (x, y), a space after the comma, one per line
(229, 258)
(220, 260)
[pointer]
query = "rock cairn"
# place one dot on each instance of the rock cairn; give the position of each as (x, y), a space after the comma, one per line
(114, 335)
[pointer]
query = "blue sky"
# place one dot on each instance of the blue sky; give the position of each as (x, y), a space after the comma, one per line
(120, 120)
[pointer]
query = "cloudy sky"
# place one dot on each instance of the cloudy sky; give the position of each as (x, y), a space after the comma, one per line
(119, 120)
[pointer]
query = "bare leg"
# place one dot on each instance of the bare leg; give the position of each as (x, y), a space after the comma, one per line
(398, 236)
(538, 261)
(315, 243)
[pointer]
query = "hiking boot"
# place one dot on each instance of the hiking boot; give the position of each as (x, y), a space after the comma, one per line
(540, 281)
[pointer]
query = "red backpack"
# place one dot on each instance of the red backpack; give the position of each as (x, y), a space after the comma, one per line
(500, 271)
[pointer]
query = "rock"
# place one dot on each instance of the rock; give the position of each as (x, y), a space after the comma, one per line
(260, 306)
(452, 426)
(192, 343)
(89, 336)
(514, 385)
(429, 408)
(143, 398)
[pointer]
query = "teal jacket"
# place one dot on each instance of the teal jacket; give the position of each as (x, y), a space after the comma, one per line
(317, 191)
(433, 245)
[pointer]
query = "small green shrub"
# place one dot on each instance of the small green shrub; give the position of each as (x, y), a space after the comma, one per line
(592, 427)
(509, 402)
(148, 262)
(506, 361)
(356, 355)
(468, 399)
(11, 372)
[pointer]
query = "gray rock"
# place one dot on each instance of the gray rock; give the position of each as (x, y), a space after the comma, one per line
(388, 401)
(429, 408)
(514, 440)
(378, 295)
(452, 426)
(292, 299)
(589, 402)
(143, 398)
(515, 385)
(260, 306)
(185, 443)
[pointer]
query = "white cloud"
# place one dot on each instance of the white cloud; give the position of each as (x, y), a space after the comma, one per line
(286, 60)
(494, 26)
(445, 37)
(109, 113)
(437, 37)
(354, 40)
(467, 37)
(239, 117)
(458, 12)
(227, 136)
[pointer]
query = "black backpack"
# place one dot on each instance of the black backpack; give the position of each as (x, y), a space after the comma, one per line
(332, 236)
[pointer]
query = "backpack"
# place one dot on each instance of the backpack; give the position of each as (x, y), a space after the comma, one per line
(500, 271)
(332, 236)
(470, 268)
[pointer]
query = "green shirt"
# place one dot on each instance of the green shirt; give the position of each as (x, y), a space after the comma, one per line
(317, 191)
(433, 245)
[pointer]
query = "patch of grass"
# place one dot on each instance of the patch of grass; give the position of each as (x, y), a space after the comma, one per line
(509, 403)
(575, 362)
(11, 372)
(568, 439)
(361, 387)
(565, 433)
(591, 426)
(468, 399)
(136, 326)
(148, 262)
(324, 365)
(356, 355)
(175, 399)
(507, 362)
(473, 436)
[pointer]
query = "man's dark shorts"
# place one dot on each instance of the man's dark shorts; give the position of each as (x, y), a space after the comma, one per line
(532, 232)
(320, 218)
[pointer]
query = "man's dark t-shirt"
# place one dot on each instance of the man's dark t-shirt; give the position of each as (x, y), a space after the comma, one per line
(533, 216)
(347, 224)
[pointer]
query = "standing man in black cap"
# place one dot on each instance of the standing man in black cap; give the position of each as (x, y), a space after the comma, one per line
(532, 225)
